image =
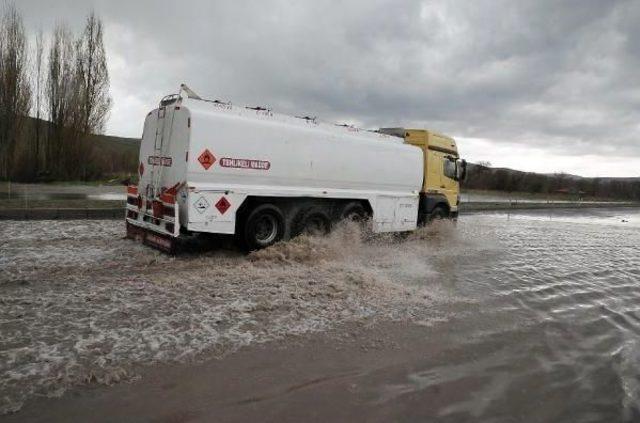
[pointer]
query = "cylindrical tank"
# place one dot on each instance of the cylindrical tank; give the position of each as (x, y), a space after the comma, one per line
(292, 156)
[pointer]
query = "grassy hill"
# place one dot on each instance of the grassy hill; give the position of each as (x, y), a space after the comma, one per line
(103, 156)
(509, 180)
(117, 156)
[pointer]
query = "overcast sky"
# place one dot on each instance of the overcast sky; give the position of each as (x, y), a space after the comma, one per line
(539, 85)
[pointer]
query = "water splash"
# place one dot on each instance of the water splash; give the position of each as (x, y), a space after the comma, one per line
(84, 305)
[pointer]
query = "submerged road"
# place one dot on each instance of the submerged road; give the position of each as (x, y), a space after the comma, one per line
(532, 316)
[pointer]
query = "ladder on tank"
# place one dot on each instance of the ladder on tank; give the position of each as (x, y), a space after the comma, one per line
(157, 166)
(158, 148)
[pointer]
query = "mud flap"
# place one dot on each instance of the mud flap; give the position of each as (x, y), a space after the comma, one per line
(164, 243)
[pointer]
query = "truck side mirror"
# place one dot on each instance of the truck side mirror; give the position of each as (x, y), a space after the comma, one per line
(461, 168)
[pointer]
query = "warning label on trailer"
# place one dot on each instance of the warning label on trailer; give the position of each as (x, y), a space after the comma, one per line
(207, 159)
(160, 161)
(201, 205)
(222, 205)
(245, 163)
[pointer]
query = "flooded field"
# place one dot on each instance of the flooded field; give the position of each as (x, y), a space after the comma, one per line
(536, 315)
(59, 192)
(506, 197)
(21, 193)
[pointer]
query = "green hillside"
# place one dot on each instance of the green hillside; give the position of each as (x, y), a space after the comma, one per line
(486, 178)
(103, 156)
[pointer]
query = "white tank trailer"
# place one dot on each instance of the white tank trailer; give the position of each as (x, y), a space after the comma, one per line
(211, 167)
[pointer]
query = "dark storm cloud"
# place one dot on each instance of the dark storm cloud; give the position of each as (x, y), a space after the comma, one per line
(558, 76)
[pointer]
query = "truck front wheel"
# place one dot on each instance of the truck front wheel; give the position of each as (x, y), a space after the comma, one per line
(439, 213)
(264, 226)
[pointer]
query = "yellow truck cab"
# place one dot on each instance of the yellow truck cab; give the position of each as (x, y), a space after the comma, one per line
(442, 173)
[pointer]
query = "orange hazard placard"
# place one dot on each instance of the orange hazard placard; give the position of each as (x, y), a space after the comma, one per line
(207, 159)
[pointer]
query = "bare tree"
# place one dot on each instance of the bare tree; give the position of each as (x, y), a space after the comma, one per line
(38, 82)
(93, 76)
(78, 98)
(15, 91)
(61, 94)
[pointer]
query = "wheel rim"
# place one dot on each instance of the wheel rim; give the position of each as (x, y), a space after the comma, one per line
(266, 229)
(354, 216)
(315, 226)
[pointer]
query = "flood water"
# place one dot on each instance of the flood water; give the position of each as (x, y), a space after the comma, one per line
(535, 315)
(58, 192)
(505, 197)
(553, 333)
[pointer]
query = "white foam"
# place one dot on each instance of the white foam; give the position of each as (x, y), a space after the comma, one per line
(83, 305)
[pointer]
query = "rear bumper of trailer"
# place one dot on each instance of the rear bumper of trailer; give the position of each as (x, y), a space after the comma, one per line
(150, 237)
(152, 222)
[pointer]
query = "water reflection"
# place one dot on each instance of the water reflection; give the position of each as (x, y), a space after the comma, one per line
(547, 327)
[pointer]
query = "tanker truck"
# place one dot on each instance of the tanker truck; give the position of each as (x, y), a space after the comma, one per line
(208, 166)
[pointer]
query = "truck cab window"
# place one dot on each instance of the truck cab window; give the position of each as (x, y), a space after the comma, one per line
(449, 168)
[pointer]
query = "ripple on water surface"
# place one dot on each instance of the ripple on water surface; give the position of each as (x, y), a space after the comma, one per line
(537, 313)
(556, 335)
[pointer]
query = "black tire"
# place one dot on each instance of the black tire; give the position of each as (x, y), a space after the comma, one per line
(264, 226)
(438, 213)
(354, 212)
(313, 221)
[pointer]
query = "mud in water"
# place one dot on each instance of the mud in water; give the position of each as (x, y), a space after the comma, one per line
(535, 314)
(80, 304)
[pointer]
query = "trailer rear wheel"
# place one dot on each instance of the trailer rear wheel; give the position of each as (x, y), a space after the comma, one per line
(354, 212)
(264, 227)
(314, 221)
